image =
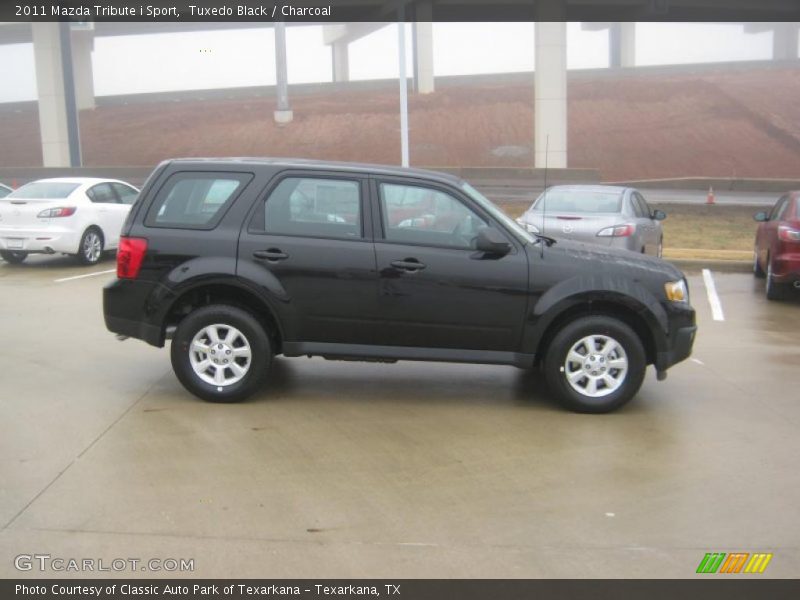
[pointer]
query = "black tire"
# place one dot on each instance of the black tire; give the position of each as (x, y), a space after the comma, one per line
(758, 272)
(88, 251)
(252, 332)
(774, 290)
(12, 257)
(571, 334)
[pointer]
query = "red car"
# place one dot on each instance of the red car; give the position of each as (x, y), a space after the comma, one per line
(777, 249)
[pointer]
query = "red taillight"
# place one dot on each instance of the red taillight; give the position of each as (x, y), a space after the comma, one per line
(130, 256)
(61, 211)
(617, 231)
(788, 234)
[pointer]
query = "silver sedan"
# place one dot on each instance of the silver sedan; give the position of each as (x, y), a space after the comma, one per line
(598, 214)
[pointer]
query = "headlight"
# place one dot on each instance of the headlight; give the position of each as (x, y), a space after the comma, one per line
(677, 291)
(530, 228)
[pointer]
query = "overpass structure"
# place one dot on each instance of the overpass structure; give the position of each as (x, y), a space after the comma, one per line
(65, 80)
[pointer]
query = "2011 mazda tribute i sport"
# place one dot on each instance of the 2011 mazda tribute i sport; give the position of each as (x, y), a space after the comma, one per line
(240, 260)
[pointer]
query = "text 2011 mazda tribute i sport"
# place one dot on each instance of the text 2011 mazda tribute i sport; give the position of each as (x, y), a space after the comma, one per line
(243, 259)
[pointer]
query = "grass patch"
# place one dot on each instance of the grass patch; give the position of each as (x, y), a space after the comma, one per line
(728, 231)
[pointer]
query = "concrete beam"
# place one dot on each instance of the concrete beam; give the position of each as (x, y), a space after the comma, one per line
(550, 97)
(349, 32)
(82, 47)
(784, 38)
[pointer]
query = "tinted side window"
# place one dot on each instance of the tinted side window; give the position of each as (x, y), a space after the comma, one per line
(645, 207)
(314, 207)
(195, 200)
(127, 195)
(782, 210)
(102, 193)
(419, 215)
(639, 206)
(773, 214)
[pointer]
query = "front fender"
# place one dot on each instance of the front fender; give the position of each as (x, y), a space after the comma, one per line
(585, 290)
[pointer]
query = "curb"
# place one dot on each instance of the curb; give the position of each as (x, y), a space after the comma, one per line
(726, 266)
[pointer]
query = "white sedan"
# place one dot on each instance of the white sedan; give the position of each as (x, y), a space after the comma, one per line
(81, 216)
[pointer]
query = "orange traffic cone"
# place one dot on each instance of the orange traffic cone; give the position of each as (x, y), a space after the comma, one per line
(14, 183)
(710, 197)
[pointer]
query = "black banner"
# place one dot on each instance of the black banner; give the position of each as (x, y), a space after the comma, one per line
(714, 587)
(321, 11)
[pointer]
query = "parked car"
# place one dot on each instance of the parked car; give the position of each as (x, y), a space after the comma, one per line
(82, 216)
(255, 276)
(777, 249)
(5, 190)
(597, 214)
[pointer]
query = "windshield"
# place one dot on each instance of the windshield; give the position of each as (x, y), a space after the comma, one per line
(44, 190)
(579, 201)
(498, 214)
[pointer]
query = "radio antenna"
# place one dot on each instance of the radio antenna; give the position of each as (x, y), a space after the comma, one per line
(544, 193)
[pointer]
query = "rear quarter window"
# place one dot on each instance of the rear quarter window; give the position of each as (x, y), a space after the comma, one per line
(192, 200)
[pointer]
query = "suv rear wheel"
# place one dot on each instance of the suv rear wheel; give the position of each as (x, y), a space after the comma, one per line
(221, 353)
(595, 364)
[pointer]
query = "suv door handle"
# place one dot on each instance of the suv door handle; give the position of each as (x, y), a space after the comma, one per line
(273, 254)
(409, 264)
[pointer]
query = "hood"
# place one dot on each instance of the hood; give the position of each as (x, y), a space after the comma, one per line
(615, 259)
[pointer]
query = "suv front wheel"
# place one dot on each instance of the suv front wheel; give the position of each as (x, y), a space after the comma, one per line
(221, 353)
(595, 364)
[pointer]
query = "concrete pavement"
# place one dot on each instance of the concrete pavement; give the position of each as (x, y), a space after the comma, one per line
(406, 470)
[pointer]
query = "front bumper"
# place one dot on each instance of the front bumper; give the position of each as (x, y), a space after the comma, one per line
(680, 348)
(46, 240)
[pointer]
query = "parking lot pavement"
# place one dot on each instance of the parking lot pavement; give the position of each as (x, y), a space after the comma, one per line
(406, 470)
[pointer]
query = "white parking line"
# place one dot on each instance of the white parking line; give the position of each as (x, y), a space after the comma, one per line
(63, 279)
(713, 298)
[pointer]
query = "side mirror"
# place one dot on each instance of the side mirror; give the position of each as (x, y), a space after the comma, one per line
(491, 241)
(761, 216)
(659, 215)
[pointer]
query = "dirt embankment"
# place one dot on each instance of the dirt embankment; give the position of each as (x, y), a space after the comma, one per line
(718, 123)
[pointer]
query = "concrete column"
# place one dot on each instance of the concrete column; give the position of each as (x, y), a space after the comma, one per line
(628, 44)
(52, 98)
(550, 97)
(423, 57)
(422, 47)
(622, 45)
(341, 61)
(283, 113)
(784, 41)
(82, 47)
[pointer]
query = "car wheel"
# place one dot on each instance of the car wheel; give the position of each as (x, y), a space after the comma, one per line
(12, 257)
(775, 290)
(90, 250)
(757, 270)
(221, 353)
(660, 251)
(595, 364)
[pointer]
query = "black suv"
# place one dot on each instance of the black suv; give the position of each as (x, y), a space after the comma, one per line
(243, 259)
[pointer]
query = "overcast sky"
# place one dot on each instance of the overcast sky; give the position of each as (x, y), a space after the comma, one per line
(149, 63)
